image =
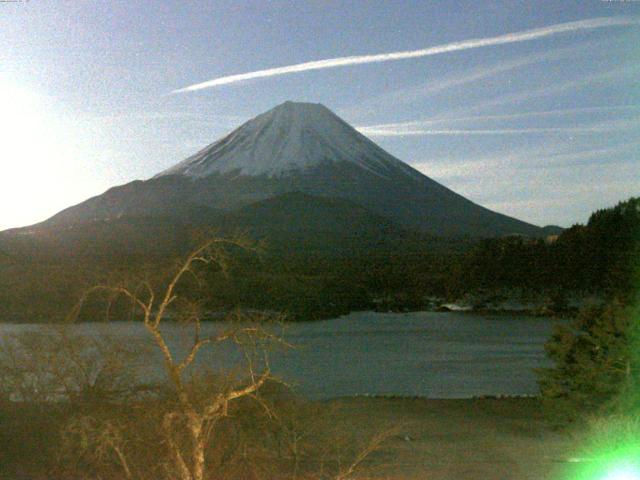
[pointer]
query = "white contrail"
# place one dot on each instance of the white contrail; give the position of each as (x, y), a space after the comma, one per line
(523, 36)
(391, 130)
(543, 113)
(628, 71)
(401, 128)
(525, 159)
(436, 86)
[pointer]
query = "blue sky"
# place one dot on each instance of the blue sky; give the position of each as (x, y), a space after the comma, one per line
(546, 130)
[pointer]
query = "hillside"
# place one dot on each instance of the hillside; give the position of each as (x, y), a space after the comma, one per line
(296, 147)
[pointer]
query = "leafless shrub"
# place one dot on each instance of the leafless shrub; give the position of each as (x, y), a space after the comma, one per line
(56, 364)
(207, 424)
(189, 426)
(279, 436)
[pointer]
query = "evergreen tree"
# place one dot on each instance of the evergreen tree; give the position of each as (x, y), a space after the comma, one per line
(595, 364)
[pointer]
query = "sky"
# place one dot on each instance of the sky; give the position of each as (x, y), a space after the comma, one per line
(529, 108)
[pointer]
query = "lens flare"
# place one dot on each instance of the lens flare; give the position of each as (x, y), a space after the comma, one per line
(616, 457)
(623, 472)
(44, 167)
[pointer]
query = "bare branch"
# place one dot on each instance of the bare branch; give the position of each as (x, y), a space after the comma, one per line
(193, 416)
(251, 388)
(188, 360)
(198, 255)
(183, 470)
(374, 444)
(116, 291)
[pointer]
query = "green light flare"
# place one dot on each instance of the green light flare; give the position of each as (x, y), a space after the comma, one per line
(609, 449)
(623, 472)
(622, 463)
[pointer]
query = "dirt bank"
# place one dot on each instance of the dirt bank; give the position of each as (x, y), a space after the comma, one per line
(484, 439)
(481, 439)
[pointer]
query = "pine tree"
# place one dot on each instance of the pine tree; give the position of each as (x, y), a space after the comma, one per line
(596, 368)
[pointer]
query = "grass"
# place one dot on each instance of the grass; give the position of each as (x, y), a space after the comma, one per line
(486, 439)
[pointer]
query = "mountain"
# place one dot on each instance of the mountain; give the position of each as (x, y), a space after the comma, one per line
(290, 223)
(552, 230)
(296, 147)
(297, 222)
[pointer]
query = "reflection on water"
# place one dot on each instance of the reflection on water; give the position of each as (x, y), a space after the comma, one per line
(436, 355)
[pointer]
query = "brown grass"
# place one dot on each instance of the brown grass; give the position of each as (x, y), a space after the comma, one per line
(433, 439)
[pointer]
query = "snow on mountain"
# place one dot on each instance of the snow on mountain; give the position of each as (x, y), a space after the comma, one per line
(297, 147)
(287, 139)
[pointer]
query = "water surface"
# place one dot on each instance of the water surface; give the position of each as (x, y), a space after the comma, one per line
(429, 354)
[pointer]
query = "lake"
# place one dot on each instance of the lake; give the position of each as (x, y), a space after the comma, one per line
(427, 354)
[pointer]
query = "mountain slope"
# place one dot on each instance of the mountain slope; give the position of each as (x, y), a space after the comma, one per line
(298, 222)
(288, 139)
(298, 147)
(289, 223)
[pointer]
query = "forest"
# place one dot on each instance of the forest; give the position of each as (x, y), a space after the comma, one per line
(596, 259)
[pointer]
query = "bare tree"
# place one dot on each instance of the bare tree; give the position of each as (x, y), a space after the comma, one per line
(191, 431)
(54, 363)
(195, 415)
(104, 440)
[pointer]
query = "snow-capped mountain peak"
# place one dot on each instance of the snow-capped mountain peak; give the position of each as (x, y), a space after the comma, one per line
(300, 148)
(288, 138)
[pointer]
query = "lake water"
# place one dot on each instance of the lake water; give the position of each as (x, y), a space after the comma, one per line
(428, 354)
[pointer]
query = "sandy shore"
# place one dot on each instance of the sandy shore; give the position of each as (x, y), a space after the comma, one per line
(482, 439)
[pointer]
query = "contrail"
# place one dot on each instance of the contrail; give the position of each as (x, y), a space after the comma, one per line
(526, 35)
(392, 130)
(436, 86)
(525, 159)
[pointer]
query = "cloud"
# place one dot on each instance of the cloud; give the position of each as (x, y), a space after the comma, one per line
(437, 86)
(531, 183)
(412, 129)
(201, 116)
(590, 24)
(505, 116)
(473, 170)
(543, 113)
(623, 73)
(598, 156)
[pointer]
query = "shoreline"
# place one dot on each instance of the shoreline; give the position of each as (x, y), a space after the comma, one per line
(438, 439)
(220, 316)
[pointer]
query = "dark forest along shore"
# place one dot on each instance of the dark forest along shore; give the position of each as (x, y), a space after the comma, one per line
(425, 354)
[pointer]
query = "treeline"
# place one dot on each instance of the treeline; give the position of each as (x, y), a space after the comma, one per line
(310, 288)
(599, 257)
(303, 286)
(308, 284)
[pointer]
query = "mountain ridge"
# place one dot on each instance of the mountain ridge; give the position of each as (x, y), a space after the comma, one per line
(298, 147)
(290, 137)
